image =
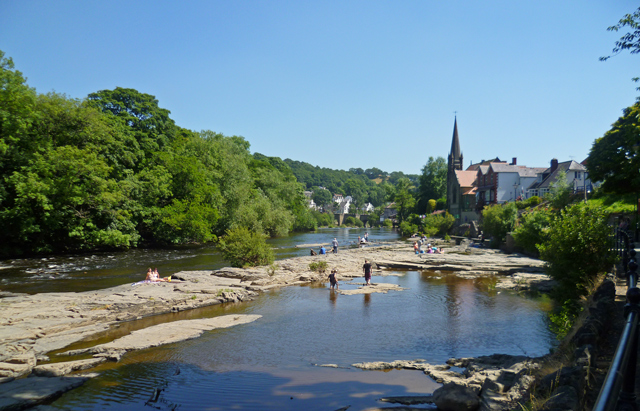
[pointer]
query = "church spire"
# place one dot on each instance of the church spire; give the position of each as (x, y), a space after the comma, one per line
(455, 156)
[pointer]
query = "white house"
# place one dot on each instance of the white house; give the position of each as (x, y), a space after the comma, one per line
(575, 174)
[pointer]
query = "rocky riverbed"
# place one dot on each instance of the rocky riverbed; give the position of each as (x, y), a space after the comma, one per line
(34, 325)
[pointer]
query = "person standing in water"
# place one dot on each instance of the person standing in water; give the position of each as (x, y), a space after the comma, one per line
(333, 279)
(367, 272)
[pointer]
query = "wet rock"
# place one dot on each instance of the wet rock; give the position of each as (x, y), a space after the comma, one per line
(166, 333)
(27, 392)
(373, 288)
(63, 368)
(409, 399)
(453, 397)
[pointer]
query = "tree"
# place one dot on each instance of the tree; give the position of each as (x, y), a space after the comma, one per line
(614, 158)
(560, 191)
(498, 220)
(405, 202)
(630, 41)
(576, 249)
(245, 248)
(321, 196)
(433, 182)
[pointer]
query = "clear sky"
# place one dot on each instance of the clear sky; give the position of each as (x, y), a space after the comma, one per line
(346, 83)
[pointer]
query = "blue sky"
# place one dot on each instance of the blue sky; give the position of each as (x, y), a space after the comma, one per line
(344, 84)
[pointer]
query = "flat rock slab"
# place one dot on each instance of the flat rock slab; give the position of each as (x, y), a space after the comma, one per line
(168, 333)
(373, 288)
(28, 392)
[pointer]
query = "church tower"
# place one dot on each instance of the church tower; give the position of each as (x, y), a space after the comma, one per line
(454, 163)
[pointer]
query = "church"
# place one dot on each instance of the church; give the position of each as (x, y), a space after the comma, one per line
(461, 187)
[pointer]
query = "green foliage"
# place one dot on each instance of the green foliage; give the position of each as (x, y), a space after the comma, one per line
(434, 224)
(407, 229)
(318, 266)
(614, 158)
(323, 219)
(532, 230)
(563, 318)
(321, 196)
(529, 202)
(576, 250)
(431, 206)
(353, 222)
(405, 202)
(560, 191)
(630, 41)
(498, 220)
(433, 183)
(245, 248)
(387, 223)
(613, 203)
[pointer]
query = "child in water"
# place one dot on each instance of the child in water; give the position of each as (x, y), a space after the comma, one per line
(333, 279)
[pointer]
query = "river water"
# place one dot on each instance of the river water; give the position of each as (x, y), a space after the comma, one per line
(272, 364)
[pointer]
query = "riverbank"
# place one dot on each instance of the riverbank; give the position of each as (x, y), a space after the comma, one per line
(70, 317)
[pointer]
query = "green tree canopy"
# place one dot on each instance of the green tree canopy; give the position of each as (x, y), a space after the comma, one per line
(614, 158)
(433, 182)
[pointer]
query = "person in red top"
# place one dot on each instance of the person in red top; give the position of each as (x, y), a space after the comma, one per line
(367, 271)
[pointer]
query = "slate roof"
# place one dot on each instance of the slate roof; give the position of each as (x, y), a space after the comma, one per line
(551, 178)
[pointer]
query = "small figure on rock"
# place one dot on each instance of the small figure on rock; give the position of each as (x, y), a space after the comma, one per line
(313, 252)
(323, 250)
(334, 244)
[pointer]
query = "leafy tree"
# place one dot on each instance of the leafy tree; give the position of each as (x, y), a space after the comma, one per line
(433, 182)
(405, 202)
(614, 158)
(245, 248)
(631, 40)
(531, 230)
(321, 196)
(560, 191)
(577, 248)
(374, 173)
(498, 220)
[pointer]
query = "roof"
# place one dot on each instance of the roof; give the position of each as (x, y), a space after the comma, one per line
(455, 142)
(552, 177)
(466, 178)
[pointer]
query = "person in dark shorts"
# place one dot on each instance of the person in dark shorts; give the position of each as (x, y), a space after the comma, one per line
(367, 271)
(333, 279)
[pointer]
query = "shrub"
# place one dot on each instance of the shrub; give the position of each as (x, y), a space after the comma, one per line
(244, 248)
(323, 219)
(318, 266)
(498, 220)
(576, 250)
(407, 228)
(353, 222)
(532, 230)
(387, 223)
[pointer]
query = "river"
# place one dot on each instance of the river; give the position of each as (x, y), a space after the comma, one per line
(271, 364)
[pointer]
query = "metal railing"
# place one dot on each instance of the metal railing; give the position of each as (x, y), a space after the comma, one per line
(618, 389)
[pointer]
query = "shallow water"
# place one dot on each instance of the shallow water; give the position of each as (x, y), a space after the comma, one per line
(85, 272)
(271, 364)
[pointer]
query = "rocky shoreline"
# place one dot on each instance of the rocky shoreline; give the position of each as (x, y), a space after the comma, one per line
(34, 325)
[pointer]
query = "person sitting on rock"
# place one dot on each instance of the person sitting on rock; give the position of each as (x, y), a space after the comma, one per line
(323, 250)
(313, 252)
(155, 276)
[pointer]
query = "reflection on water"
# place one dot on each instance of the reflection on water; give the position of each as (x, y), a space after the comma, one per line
(269, 364)
(77, 273)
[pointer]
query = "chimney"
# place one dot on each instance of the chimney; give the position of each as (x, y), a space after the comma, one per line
(514, 161)
(554, 165)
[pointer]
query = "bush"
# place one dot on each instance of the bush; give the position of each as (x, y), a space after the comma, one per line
(318, 266)
(353, 222)
(323, 219)
(244, 248)
(530, 202)
(407, 229)
(498, 220)
(576, 250)
(532, 230)
(387, 223)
